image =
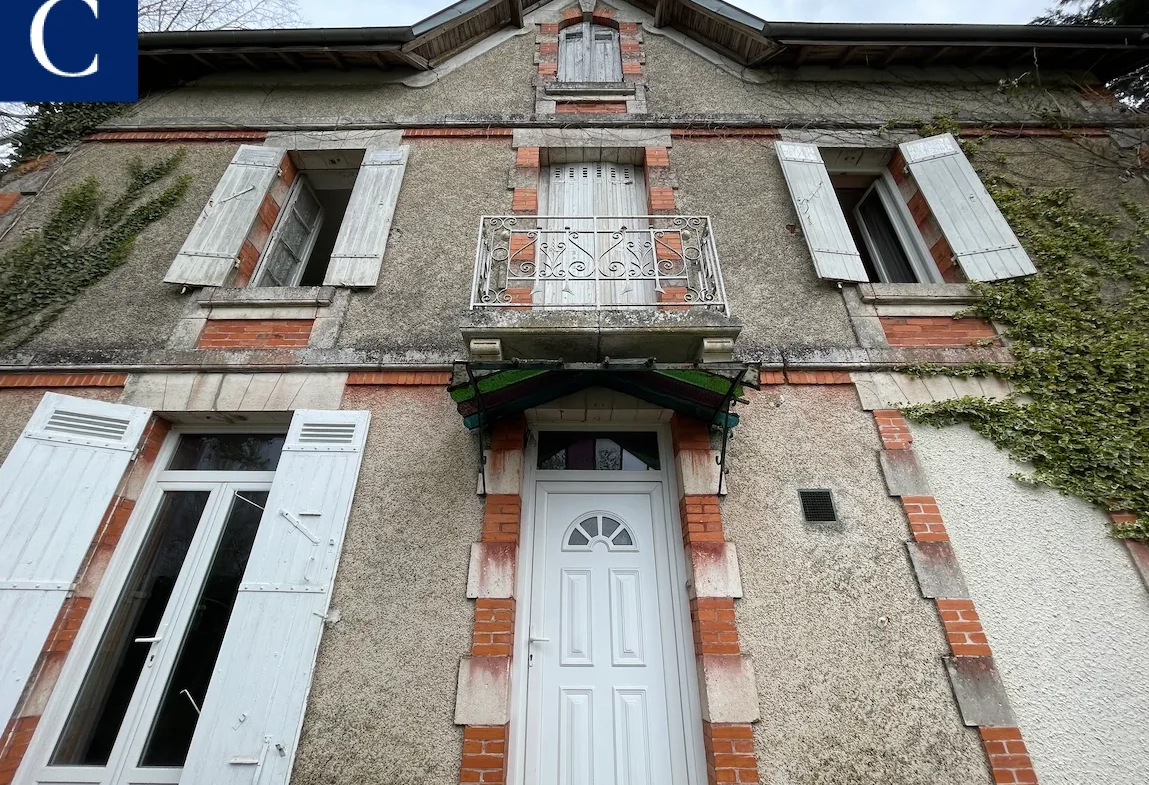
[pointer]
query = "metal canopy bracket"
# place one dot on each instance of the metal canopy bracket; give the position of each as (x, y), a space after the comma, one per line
(727, 402)
(480, 429)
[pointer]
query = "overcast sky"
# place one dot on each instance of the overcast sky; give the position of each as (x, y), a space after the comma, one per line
(363, 13)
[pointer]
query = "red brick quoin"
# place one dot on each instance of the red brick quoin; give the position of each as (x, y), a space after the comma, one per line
(730, 755)
(493, 632)
(1005, 749)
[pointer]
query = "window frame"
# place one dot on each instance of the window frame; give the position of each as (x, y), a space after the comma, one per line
(66, 691)
(297, 188)
(908, 234)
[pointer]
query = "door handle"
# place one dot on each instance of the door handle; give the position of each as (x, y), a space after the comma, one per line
(539, 640)
(155, 639)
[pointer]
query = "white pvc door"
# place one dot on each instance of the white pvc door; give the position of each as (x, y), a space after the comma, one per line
(599, 646)
(595, 247)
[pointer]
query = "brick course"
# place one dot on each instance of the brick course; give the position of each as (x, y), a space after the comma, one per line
(255, 334)
(937, 331)
(455, 133)
(484, 754)
(429, 378)
(63, 380)
(177, 136)
(729, 752)
(893, 429)
(590, 107)
(525, 201)
(1009, 760)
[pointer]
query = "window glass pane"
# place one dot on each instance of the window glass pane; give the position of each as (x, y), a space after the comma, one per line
(98, 713)
(608, 526)
(229, 452)
(571, 450)
(307, 208)
(591, 526)
(607, 455)
(175, 722)
(886, 245)
(623, 538)
(577, 538)
(281, 265)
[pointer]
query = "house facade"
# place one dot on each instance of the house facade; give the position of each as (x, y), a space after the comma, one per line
(517, 398)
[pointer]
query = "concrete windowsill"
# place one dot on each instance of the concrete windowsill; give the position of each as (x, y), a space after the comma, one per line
(269, 296)
(589, 90)
(917, 294)
(267, 302)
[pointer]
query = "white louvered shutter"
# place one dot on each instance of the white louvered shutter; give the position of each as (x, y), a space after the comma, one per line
(253, 711)
(362, 240)
(209, 253)
(55, 487)
(823, 223)
(982, 241)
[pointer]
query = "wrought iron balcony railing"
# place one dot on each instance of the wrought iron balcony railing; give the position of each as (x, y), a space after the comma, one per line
(597, 263)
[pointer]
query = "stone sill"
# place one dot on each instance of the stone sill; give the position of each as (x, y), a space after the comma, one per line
(917, 293)
(269, 296)
(917, 299)
(589, 90)
(267, 302)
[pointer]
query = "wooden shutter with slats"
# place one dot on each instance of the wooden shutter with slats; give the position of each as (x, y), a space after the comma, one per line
(362, 241)
(836, 256)
(981, 239)
(210, 251)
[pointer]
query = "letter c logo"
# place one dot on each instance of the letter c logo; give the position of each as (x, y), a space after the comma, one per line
(38, 40)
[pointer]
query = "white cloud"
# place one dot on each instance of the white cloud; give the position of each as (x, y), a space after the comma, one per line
(371, 13)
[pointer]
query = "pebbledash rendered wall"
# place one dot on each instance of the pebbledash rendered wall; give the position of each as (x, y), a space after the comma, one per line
(851, 686)
(1063, 607)
(383, 695)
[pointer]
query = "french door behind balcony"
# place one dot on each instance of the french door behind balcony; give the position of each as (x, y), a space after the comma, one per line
(133, 716)
(595, 246)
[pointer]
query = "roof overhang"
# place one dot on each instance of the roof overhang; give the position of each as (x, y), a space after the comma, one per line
(1105, 51)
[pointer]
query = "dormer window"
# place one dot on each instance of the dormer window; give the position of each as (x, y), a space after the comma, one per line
(589, 53)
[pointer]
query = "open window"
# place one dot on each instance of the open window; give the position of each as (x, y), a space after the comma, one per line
(303, 238)
(228, 562)
(890, 245)
(589, 53)
(861, 229)
(295, 218)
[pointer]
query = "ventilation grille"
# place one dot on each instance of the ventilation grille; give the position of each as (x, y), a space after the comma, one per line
(336, 433)
(88, 426)
(818, 506)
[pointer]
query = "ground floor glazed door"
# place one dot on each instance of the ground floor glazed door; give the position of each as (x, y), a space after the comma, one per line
(601, 648)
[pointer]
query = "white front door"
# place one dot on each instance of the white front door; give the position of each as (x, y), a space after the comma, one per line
(601, 708)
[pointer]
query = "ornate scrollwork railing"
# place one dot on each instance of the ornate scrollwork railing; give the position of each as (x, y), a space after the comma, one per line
(597, 262)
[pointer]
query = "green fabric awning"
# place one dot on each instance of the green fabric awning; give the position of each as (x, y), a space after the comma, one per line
(503, 392)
